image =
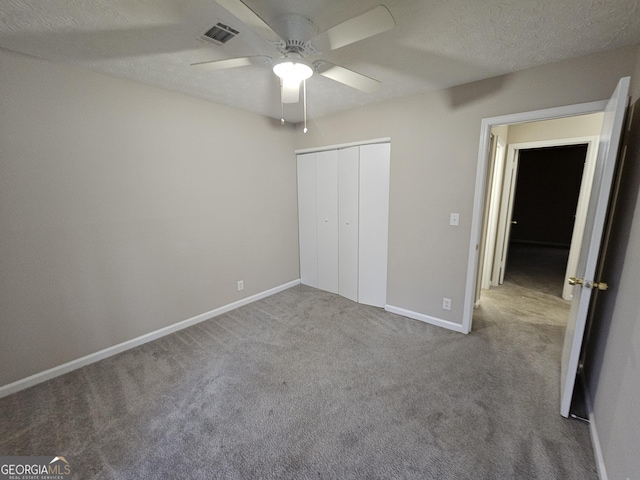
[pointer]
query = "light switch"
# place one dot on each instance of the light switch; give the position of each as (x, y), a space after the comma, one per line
(454, 219)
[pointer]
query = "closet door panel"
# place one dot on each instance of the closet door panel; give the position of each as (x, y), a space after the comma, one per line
(307, 223)
(348, 180)
(327, 219)
(374, 223)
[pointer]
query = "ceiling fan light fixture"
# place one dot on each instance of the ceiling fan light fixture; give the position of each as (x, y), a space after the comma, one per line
(292, 71)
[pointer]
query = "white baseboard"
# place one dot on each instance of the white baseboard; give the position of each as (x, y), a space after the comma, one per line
(595, 440)
(456, 327)
(121, 347)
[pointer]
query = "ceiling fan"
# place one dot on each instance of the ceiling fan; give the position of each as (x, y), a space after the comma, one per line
(299, 41)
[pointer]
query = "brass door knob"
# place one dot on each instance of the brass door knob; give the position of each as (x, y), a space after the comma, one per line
(575, 281)
(580, 281)
(600, 285)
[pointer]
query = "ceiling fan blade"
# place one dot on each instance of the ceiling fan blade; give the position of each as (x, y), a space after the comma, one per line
(231, 63)
(250, 18)
(290, 92)
(358, 28)
(347, 77)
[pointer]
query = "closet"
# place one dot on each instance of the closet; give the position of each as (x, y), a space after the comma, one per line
(343, 210)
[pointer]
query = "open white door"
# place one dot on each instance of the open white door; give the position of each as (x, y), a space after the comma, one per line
(581, 215)
(592, 238)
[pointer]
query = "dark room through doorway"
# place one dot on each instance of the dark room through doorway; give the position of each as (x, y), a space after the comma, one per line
(544, 209)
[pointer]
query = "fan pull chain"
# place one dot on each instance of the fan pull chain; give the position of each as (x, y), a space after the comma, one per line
(304, 105)
(281, 102)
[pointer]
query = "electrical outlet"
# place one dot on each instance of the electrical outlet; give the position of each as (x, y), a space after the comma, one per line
(446, 303)
(240, 285)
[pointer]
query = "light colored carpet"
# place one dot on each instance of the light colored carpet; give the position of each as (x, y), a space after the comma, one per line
(306, 384)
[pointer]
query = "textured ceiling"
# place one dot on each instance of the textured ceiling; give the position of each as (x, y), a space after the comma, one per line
(435, 44)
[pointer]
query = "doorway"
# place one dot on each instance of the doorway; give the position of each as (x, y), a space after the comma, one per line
(586, 279)
(538, 195)
(542, 217)
(539, 129)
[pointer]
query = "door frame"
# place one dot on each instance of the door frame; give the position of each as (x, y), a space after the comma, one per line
(506, 214)
(481, 181)
(492, 213)
(591, 154)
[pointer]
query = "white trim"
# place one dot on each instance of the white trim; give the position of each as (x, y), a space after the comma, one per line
(343, 145)
(478, 200)
(548, 113)
(438, 322)
(558, 142)
(134, 342)
(595, 440)
(597, 450)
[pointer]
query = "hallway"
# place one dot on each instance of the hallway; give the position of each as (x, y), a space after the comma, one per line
(532, 289)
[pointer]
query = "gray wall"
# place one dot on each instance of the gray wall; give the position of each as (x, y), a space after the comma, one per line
(613, 353)
(125, 208)
(579, 126)
(434, 154)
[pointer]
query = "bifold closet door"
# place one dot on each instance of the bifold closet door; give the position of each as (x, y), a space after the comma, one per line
(327, 219)
(374, 223)
(343, 208)
(348, 180)
(307, 223)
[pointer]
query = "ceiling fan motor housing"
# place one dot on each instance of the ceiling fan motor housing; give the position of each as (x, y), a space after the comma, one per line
(297, 30)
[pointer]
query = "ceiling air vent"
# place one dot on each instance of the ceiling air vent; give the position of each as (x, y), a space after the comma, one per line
(219, 34)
